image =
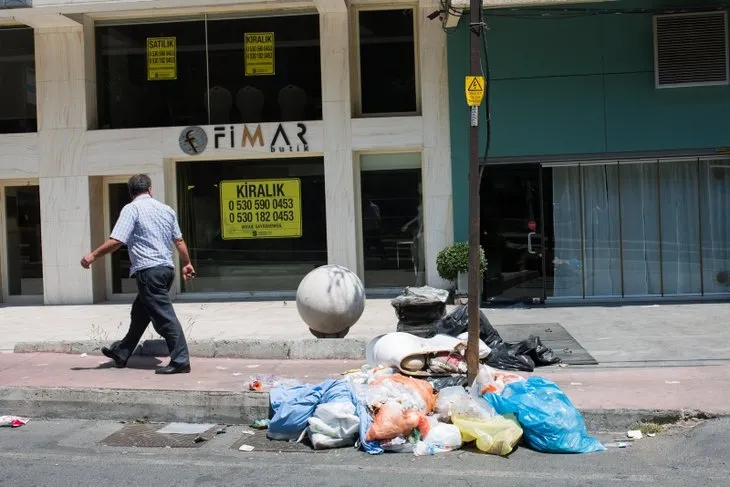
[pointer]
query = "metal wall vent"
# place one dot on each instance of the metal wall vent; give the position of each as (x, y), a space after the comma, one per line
(691, 49)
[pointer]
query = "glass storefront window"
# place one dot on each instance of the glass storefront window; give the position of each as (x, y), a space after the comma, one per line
(228, 263)
(17, 81)
(567, 255)
(127, 98)
(680, 228)
(289, 86)
(121, 283)
(23, 239)
(387, 46)
(715, 204)
(209, 71)
(640, 229)
(392, 220)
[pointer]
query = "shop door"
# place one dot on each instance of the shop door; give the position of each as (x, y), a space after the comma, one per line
(512, 226)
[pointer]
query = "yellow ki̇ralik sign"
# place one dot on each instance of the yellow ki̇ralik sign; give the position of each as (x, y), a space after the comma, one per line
(259, 57)
(261, 208)
(161, 58)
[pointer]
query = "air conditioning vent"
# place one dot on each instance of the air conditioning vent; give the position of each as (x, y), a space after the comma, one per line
(691, 49)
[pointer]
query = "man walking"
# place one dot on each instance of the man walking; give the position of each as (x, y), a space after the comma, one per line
(149, 228)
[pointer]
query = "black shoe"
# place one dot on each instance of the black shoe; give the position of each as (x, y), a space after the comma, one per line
(109, 353)
(174, 369)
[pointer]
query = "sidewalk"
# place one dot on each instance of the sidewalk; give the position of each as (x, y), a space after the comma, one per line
(620, 336)
(85, 387)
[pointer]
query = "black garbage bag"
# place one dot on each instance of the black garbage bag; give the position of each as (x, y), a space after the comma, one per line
(523, 356)
(457, 322)
(420, 305)
(443, 382)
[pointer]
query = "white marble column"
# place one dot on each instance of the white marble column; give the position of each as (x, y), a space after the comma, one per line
(436, 175)
(339, 169)
(64, 183)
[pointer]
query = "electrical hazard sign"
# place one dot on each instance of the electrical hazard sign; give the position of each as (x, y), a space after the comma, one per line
(474, 90)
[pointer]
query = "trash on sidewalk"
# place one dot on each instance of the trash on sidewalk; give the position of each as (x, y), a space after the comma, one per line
(260, 424)
(245, 448)
(523, 356)
(263, 383)
(13, 421)
(419, 308)
(618, 444)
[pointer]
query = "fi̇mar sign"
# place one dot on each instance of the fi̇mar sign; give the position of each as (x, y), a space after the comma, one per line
(274, 138)
(261, 208)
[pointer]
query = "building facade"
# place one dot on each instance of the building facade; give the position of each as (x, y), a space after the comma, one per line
(287, 135)
(608, 171)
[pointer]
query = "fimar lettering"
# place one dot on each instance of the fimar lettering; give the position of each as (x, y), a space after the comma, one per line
(252, 190)
(288, 146)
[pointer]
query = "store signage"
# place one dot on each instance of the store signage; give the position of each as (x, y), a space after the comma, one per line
(161, 58)
(258, 48)
(231, 137)
(261, 208)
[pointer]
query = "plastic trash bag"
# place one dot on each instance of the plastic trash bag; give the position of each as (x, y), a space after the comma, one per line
(442, 438)
(366, 421)
(456, 401)
(392, 420)
(408, 392)
(498, 435)
(293, 406)
(333, 425)
(493, 380)
(523, 356)
(420, 305)
(550, 421)
(441, 383)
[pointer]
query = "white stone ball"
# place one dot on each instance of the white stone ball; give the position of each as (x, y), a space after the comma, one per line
(330, 299)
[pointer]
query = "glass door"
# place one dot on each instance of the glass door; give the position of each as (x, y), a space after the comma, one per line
(513, 229)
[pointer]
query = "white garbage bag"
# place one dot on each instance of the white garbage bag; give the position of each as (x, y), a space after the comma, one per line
(442, 438)
(333, 425)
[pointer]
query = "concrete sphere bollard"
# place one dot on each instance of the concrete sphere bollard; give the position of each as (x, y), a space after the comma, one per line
(330, 299)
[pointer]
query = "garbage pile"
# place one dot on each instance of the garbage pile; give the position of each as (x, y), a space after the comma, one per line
(379, 410)
(413, 395)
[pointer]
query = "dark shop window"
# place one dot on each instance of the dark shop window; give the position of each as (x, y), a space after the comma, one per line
(167, 91)
(265, 69)
(387, 62)
(17, 81)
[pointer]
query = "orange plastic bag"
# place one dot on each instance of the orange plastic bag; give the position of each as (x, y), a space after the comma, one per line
(392, 421)
(424, 388)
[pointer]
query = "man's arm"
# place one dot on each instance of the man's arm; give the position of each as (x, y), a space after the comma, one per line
(182, 249)
(120, 235)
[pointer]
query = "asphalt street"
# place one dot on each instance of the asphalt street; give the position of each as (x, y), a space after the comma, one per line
(68, 453)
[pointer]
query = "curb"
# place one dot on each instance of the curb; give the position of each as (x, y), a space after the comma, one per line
(236, 407)
(307, 349)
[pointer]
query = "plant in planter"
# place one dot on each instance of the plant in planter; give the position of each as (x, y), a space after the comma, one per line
(452, 264)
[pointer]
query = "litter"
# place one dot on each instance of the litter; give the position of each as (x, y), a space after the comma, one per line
(618, 444)
(333, 425)
(245, 448)
(260, 424)
(84, 355)
(497, 435)
(13, 421)
(635, 434)
(522, 356)
(550, 422)
(442, 438)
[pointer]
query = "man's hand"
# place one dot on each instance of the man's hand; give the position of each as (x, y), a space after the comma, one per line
(188, 272)
(87, 260)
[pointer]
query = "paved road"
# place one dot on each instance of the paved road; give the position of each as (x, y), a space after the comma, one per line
(67, 454)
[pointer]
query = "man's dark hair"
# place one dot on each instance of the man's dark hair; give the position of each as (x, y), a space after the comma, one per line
(139, 184)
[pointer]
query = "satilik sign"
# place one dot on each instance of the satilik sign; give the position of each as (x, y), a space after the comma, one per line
(231, 137)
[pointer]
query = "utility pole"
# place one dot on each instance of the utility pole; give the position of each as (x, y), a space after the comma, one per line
(475, 87)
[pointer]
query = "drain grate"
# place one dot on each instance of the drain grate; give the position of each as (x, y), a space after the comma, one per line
(146, 436)
(260, 442)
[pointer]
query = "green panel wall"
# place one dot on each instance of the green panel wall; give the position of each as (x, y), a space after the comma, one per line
(578, 85)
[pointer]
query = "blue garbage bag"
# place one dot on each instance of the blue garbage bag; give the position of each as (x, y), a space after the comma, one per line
(550, 422)
(293, 406)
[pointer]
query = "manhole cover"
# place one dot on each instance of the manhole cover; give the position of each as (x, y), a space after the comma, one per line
(146, 436)
(260, 442)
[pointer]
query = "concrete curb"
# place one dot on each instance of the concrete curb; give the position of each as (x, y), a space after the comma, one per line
(307, 349)
(234, 407)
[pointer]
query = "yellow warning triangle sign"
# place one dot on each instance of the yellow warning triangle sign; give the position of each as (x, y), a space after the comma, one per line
(475, 85)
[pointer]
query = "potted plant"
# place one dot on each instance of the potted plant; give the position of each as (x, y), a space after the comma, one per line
(452, 264)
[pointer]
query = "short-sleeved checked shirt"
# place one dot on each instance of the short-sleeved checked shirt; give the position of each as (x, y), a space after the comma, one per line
(147, 227)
